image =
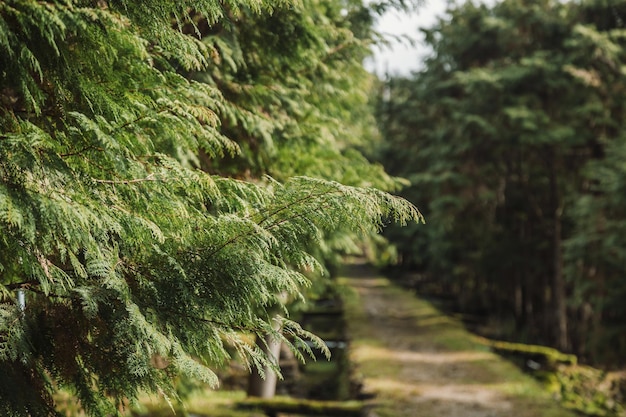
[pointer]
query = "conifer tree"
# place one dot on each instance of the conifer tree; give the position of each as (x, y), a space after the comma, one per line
(506, 133)
(136, 265)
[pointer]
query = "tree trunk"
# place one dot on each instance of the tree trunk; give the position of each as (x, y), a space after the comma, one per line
(257, 385)
(520, 294)
(265, 387)
(558, 290)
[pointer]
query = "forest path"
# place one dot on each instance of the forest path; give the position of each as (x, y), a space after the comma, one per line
(419, 362)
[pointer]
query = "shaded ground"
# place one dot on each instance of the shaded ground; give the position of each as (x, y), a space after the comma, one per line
(419, 362)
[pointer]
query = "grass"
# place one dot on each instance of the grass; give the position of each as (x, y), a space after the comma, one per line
(418, 361)
(207, 403)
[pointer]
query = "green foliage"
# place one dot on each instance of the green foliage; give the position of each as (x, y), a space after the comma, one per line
(297, 98)
(513, 134)
(589, 391)
(297, 93)
(140, 256)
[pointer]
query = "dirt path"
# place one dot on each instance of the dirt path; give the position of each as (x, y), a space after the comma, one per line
(420, 363)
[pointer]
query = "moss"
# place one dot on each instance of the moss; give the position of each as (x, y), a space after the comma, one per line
(545, 356)
(589, 391)
(412, 325)
(207, 403)
(302, 406)
(586, 390)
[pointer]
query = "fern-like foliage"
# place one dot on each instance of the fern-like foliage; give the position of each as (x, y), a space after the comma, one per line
(137, 266)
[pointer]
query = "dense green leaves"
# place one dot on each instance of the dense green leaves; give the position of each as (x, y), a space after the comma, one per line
(122, 125)
(511, 133)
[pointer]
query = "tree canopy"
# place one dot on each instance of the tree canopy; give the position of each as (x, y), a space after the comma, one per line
(137, 214)
(511, 134)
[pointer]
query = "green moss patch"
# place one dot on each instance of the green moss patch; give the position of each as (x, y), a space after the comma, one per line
(290, 405)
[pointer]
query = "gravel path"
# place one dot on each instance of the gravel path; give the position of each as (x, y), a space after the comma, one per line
(415, 361)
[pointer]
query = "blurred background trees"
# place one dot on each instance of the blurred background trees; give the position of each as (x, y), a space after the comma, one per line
(511, 136)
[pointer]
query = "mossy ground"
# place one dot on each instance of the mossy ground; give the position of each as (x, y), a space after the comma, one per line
(202, 403)
(417, 361)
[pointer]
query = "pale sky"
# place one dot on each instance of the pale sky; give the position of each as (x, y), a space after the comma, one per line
(402, 57)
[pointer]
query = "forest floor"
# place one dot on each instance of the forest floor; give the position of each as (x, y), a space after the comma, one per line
(417, 362)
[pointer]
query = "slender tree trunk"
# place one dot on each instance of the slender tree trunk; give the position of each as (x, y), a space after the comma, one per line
(265, 387)
(559, 290)
(520, 277)
(559, 294)
(257, 385)
(518, 301)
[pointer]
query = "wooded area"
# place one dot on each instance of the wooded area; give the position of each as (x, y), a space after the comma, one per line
(157, 198)
(512, 137)
(176, 178)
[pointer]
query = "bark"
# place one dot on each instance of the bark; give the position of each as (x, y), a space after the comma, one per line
(558, 290)
(265, 387)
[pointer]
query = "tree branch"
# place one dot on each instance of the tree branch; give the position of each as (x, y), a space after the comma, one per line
(21, 285)
(127, 182)
(293, 203)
